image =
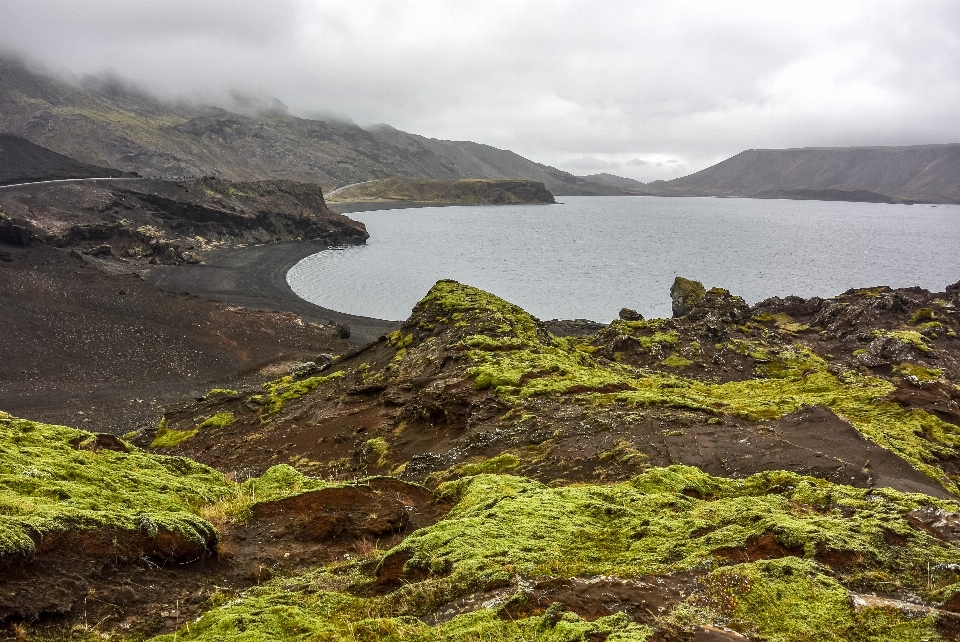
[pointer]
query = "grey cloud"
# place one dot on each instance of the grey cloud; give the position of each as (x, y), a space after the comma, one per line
(616, 80)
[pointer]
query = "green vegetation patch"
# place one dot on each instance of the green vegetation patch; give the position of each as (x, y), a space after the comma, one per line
(504, 526)
(500, 464)
(277, 612)
(169, 437)
(650, 526)
(918, 372)
(510, 354)
(280, 391)
(676, 361)
(909, 337)
(277, 482)
(797, 599)
(922, 315)
(47, 485)
(467, 191)
(783, 321)
(488, 317)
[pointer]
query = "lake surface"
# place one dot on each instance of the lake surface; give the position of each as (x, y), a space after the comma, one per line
(593, 255)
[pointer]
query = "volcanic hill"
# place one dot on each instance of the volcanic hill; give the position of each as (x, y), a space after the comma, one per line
(782, 472)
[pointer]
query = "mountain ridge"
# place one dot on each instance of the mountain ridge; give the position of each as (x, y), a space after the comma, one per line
(108, 123)
(905, 174)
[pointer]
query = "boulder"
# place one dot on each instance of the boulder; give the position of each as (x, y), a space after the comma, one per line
(686, 294)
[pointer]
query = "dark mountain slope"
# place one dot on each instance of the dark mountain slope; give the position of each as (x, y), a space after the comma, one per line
(618, 182)
(21, 162)
(919, 173)
(474, 160)
(109, 123)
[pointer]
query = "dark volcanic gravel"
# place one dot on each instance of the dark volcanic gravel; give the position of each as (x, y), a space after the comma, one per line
(104, 351)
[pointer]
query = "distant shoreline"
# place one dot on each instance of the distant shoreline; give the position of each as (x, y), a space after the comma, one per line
(255, 277)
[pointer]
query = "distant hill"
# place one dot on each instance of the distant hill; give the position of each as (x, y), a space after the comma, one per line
(22, 162)
(107, 123)
(918, 173)
(471, 191)
(618, 182)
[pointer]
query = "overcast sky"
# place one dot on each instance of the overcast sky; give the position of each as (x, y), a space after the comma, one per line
(640, 89)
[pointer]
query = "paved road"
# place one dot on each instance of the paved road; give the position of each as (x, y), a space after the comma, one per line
(329, 194)
(109, 178)
(75, 180)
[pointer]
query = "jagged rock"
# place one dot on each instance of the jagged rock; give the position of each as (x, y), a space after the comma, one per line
(936, 521)
(685, 294)
(573, 327)
(626, 314)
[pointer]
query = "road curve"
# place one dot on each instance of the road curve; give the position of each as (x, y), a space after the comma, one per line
(76, 180)
(329, 194)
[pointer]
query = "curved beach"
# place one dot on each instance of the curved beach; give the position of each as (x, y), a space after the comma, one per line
(255, 277)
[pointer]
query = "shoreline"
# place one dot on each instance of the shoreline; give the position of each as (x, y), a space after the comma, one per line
(255, 277)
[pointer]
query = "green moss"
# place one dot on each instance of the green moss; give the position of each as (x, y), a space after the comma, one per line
(504, 526)
(271, 614)
(910, 337)
(795, 599)
(688, 292)
(486, 314)
(219, 420)
(918, 372)
(168, 437)
(593, 530)
(280, 391)
(378, 450)
(46, 485)
(676, 361)
(624, 452)
(511, 354)
(783, 321)
(500, 464)
(922, 315)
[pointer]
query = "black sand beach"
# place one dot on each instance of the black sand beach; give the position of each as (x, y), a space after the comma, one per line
(256, 277)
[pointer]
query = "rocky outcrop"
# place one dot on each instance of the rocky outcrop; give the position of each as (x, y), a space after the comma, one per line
(170, 221)
(466, 192)
(685, 294)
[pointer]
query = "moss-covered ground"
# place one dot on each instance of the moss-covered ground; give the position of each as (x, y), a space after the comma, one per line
(504, 527)
(776, 556)
(47, 485)
(510, 354)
